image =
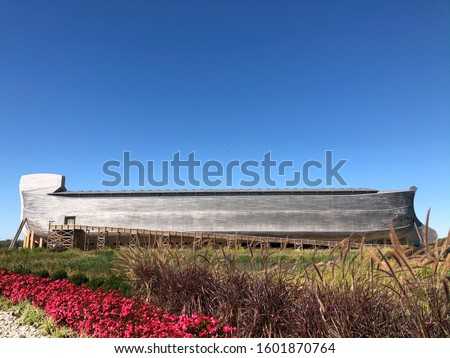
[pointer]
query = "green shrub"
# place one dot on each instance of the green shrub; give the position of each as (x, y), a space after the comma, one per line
(96, 282)
(78, 279)
(59, 275)
(21, 270)
(120, 283)
(42, 273)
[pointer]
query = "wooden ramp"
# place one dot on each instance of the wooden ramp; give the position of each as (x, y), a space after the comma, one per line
(96, 237)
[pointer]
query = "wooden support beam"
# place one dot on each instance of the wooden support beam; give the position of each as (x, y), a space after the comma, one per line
(25, 240)
(31, 240)
(134, 239)
(19, 231)
(101, 239)
(84, 241)
(87, 237)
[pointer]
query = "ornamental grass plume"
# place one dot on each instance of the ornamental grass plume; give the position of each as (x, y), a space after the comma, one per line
(392, 292)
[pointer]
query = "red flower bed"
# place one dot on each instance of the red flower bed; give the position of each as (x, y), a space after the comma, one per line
(99, 313)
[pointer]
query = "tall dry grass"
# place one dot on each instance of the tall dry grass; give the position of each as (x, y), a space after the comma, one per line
(363, 293)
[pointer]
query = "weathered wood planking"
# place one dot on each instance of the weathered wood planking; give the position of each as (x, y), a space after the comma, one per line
(308, 214)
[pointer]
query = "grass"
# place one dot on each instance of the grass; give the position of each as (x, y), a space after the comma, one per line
(27, 314)
(95, 263)
(103, 262)
(393, 292)
(94, 268)
(101, 267)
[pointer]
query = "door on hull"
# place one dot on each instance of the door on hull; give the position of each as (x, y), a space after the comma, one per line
(69, 220)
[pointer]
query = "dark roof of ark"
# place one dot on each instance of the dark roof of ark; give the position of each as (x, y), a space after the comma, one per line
(221, 192)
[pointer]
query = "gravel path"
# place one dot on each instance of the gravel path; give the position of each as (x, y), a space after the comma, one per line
(11, 328)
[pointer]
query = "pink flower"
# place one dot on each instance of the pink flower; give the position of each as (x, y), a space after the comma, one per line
(104, 313)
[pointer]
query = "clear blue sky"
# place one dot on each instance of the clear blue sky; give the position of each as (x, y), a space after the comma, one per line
(82, 81)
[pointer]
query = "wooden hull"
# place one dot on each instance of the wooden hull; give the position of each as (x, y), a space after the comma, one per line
(330, 215)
